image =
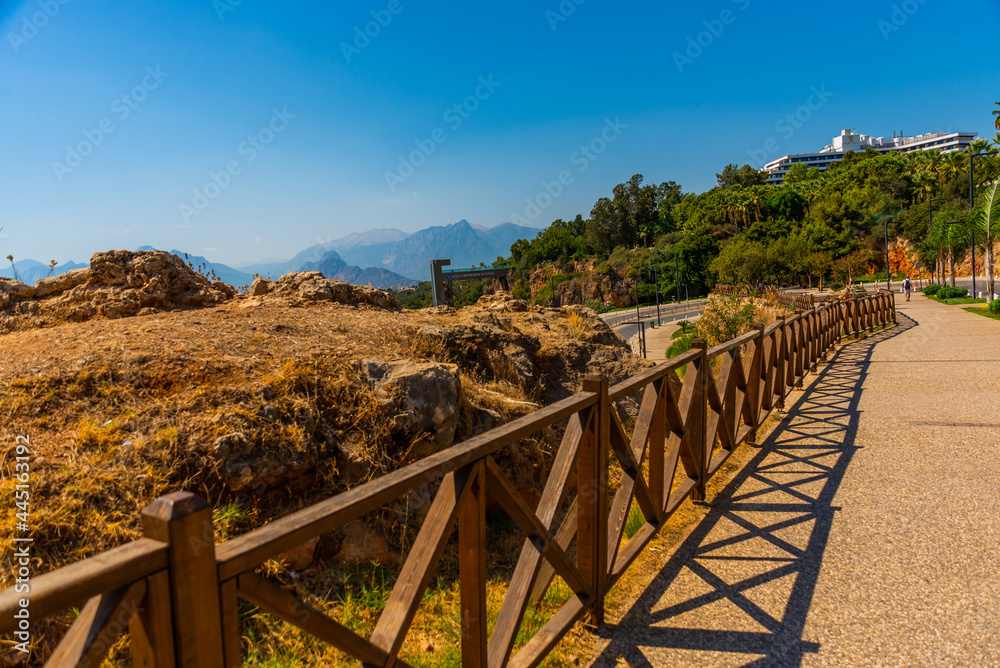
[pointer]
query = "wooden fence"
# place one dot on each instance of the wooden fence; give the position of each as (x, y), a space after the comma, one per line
(176, 592)
(764, 291)
(801, 301)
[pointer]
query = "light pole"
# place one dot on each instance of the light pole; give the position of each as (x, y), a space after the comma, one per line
(972, 204)
(677, 277)
(656, 279)
(885, 228)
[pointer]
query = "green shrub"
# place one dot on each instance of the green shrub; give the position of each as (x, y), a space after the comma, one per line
(598, 306)
(948, 292)
(681, 344)
(995, 307)
(931, 290)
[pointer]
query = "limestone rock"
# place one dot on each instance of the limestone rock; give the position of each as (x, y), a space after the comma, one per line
(312, 286)
(56, 284)
(422, 397)
(503, 302)
(261, 286)
(118, 284)
(12, 291)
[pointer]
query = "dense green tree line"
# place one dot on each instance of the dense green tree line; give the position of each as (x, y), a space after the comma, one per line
(817, 226)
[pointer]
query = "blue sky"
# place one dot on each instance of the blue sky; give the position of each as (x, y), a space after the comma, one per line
(288, 120)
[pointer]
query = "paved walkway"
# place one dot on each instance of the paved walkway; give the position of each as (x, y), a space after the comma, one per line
(865, 531)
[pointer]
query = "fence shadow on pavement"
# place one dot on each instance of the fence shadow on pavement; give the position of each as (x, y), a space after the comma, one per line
(739, 588)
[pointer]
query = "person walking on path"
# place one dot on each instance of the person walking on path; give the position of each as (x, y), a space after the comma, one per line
(906, 287)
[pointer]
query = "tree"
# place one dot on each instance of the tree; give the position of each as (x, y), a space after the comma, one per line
(669, 196)
(817, 266)
(605, 230)
(634, 214)
(744, 176)
(847, 268)
(986, 222)
(996, 113)
(518, 249)
(785, 204)
(953, 236)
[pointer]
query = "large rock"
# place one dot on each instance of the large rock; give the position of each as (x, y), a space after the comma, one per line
(55, 284)
(248, 466)
(12, 291)
(312, 286)
(422, 397)
(117, 284)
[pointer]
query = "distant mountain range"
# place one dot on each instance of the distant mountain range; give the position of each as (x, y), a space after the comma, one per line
(384, 258)
(330, 264)
(466, 245)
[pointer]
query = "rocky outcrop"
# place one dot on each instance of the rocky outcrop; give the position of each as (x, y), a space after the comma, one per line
(312, 286)
(117, 284)
(422, 399)
(588, 284)
(53, 285)
(12, 291)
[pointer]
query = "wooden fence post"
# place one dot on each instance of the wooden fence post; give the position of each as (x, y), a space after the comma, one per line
(698, 423)
(472, 569)
(780, 344)
(754, 384)
(592, 476)
(184, 522)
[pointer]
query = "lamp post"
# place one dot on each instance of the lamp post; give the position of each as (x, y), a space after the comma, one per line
(972, 204)
(677, 277)
(656, 280)
(885, 229)
(638, 278)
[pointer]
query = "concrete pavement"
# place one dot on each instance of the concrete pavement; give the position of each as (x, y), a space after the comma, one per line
(865, 530)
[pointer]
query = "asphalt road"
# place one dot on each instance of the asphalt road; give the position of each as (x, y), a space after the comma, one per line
(628, 329)
(666, 311)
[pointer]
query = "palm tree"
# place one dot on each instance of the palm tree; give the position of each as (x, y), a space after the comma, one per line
(954, 163)
(935, 165)
(755, 197)
(977, 146)
(924, 184)
(996, 112)
(986, 221)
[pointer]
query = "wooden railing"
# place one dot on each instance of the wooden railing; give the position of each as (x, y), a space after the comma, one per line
(724, 290)
(796, 300)
(176, 592)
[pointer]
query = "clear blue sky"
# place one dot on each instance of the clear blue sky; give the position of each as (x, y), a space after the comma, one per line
(918, 66)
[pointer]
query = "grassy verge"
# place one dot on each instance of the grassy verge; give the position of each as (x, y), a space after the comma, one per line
(434, 638)
(983, 312)
(959, 301)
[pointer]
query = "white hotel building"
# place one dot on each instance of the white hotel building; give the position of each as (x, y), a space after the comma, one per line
(852, 141)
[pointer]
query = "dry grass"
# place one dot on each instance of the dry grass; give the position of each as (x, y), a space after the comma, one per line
(121, 412)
